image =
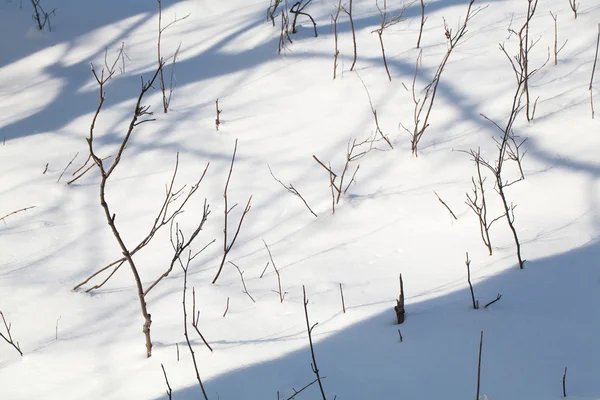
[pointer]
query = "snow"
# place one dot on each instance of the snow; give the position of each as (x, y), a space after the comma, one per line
(283, 109)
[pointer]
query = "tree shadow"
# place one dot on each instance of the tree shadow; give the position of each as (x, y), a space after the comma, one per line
(547, 319)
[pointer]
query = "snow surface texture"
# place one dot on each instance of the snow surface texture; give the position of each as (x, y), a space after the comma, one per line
(284, 109)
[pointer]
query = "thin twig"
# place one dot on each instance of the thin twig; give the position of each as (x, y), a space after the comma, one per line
(479, 365)
(468, 263)
(309, 329)
(342, 294)
(243, 282)
(498, 297)
(226, 308)
(68, 165)
(8, 338)
(280, 292)
(169, 390)
(445, 205)
(15, 212)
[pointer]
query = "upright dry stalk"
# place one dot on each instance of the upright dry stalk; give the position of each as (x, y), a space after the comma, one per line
(141, 114)
(423, 20)
(564, 383)
(399, 307)
(497, 168)
(593, 71)
(423, 106)
(342, 295)
(284, 35)
(475, 302)
(337, 189)
(166, 97)
(478, 203)
(479, 365)
(185, 326)
(386, 23)
(243, 281)
(272, 9)
(41, 17)
(219, 111)
(574, 6)
(556, 48)
(278, 291)
(336, 52)
(348, 12)
(169, 390)
(525, 47)
(309, 329)
(227, 246)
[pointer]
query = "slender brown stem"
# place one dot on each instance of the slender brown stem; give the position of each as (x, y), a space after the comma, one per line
(15, 212)
(309, 329)
(479, 365)
(342, 295)
(468, 263)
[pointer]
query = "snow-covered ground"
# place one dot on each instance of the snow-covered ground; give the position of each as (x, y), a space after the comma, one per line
(283, 109)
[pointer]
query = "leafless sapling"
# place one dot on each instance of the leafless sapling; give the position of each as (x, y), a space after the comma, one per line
(298, 9)
(399, 307)
(556, 48)
(166, 92)
(336, 52)
(278, 291)
(525, 47)
(475, 302)
(386, 22)
(185, 267)
(423, 105)
(423, 20)
(291, 189)
(40, 16)
(227, 210)
(353, 153)
(348, 12)
(164, 217)
(478, 204)
(591, 88)
(309, 329)
(8, 336)
(141, 114)
(574, 7)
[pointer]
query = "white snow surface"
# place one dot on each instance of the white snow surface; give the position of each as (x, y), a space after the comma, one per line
(283, 109)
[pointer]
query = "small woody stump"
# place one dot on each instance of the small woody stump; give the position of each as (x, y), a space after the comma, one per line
(399, 307)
